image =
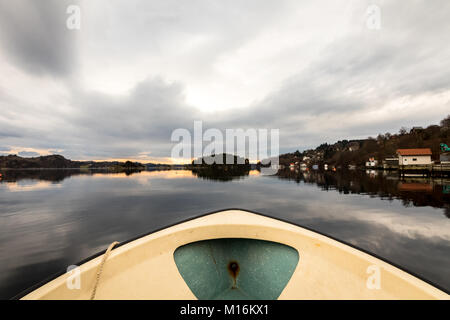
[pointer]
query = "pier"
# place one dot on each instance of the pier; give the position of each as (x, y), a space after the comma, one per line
(432, 169)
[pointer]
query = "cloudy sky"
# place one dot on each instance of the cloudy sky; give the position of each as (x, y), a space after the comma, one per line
(138, 69)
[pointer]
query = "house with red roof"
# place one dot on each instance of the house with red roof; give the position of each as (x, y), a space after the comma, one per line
(414, 156)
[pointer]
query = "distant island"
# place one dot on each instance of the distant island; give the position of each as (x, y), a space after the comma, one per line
(221, 167)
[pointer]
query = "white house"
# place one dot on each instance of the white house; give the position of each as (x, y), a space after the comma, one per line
(414, 156)
(372, 162)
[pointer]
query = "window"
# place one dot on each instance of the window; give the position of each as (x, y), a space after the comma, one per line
(414, 159)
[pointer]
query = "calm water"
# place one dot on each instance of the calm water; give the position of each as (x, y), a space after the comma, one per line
(51, 219)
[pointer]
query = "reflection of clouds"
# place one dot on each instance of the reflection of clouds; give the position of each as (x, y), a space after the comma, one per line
(29, 185)
(411, 227)
(51, 228)
(410, 222)
(171, 174)
(48, 235)
(144, 175)
(144, 178)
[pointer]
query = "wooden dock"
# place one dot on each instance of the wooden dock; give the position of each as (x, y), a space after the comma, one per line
(432, 169)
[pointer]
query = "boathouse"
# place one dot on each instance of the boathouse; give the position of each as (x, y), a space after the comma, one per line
(414, 156)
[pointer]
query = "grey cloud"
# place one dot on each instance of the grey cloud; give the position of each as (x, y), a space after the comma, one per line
(358, 72)
(100, 126)
(28, 154)
(35, 37)
(156, 27)
(403, 59)
(142, 121)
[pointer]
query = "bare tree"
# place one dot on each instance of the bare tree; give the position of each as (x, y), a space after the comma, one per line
(403, 131)
(445, 123)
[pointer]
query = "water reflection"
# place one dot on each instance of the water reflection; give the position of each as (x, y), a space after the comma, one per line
(56, 175)
(227, 174)
(50, 219)
(43, 174)
(411, 190)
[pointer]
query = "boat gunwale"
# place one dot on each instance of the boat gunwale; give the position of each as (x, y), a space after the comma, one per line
(34, 287)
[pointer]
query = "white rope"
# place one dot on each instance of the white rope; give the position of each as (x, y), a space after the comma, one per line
(100, 268)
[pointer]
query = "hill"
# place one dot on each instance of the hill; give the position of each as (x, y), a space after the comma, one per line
(60, 162)
(357, 152)
(52, 161)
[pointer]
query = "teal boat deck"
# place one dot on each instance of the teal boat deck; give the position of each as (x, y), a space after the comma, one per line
(230, 269)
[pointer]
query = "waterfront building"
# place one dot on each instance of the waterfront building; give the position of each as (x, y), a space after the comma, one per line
(407, 157)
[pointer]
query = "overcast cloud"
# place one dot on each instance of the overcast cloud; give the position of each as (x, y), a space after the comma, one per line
(139, 69)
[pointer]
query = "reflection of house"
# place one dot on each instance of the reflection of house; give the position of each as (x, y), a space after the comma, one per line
(414, 156)
(415, 187)
(372, 173)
